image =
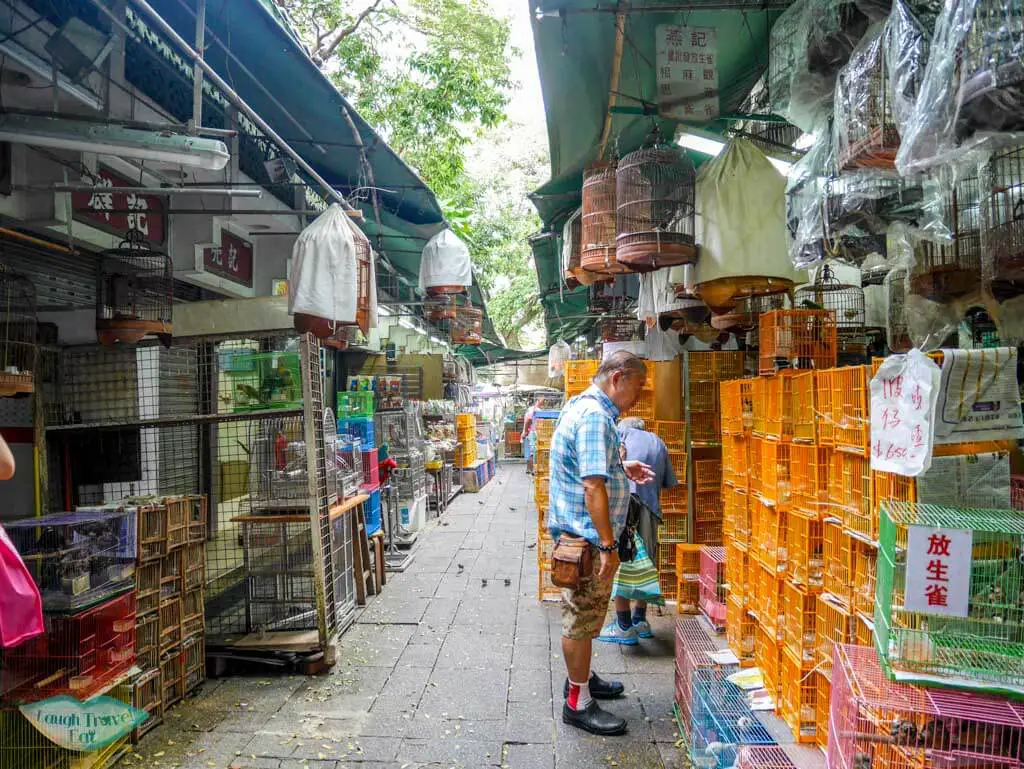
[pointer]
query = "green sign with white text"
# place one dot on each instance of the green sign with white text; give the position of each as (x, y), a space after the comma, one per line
(83, 726)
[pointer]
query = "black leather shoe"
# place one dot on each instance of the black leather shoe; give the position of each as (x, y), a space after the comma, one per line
(599, 688)
(594, 720)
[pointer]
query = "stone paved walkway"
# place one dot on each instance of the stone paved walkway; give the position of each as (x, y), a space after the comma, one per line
(454, 665)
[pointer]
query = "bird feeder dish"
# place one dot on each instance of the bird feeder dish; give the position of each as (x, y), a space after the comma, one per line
(134, 293)
(949, 270)
(468, 326)
(655, 198)
(18, 341)
(597, 231)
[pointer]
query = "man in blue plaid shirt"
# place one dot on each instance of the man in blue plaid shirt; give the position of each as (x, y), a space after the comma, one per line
(589, 499)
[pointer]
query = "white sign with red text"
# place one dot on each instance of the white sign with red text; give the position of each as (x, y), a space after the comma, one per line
(687, 66)
(904, 393)
(938, 579)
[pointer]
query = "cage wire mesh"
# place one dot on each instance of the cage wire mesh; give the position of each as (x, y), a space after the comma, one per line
(656, 209)
(597, 238)
(467, 326)
(950, 268)
(897, 332)
(134, 292)
(1004, 257)
(992, 93)
(846, 300)
(19, 344)
(985, 647)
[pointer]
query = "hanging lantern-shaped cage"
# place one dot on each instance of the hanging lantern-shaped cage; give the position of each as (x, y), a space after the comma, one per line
(134, 293)
(601, 297)
(468, 326)
(655, 199)
(1004, 256)
(866, 134)
(951, 269)
(829, 293)
(783, 52)
(440, 308)
(833, 28)
(597, 231)
(897, 330)
(19, 347)
(992, 94)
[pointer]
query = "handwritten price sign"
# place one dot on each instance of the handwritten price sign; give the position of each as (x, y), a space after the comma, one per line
(903, 397)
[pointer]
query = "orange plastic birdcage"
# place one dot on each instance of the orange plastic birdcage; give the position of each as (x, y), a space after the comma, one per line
(799, 624)
(771, 539)
(734, 460)
(736, 563)
(701, 367)
(707, 507)
(799, 698)
(673, 525)
(834, 624)
(876, 363)
(779, 404)
(850, 398)
(742, 529)
(707, 532)
(850, 494)
(687, 558)
(644, 406)
(678, 461)
(768, 604)
(821, 708)
(705, 429)
(806, 565)
(808, 467)
(801, 339)
(666, 558)
(889, 487)
(731, 407)
(673, 435)
(756, 456)
(864, 631)
(740, 631)
(803, 406)
(707, 475)
(674, 500)
(864, 559)
(669, 585)
(688, 578)
(766, 654)
(759, 406)
(703, 396)
(729, 365)
(836, 552)
(823, 408)
(776, 487)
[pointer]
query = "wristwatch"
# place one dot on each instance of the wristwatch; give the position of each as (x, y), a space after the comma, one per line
(608, 548)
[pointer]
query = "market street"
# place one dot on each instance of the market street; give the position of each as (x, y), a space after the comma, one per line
(454, 665)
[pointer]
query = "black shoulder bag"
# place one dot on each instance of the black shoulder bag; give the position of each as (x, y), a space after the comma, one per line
(627, 543)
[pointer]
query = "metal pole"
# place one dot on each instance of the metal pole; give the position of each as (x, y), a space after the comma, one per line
(222, 191)
(218, 81)
(197, 72)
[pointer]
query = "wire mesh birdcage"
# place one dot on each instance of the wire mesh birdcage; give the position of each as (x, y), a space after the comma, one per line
(948, 269)
(829, 293)
(280, 581)
(18, 341)
(278, 470)
(833, 28)
(467, 327)
(992, 94)
(876, 722)
(619, 329)
(134, 291)
(597, 231)
(970, 636)
(897, 331)
(1004, 256)
(655, 196)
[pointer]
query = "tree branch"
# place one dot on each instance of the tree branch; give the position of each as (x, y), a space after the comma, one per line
(324, 52)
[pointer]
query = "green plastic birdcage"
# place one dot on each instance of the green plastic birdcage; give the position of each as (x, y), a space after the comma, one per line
(985, 648)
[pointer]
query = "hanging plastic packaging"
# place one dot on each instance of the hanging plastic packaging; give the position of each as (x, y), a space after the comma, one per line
(806, 190)
(646, 311)
(324, 287)
(21, 605)
(445, 266)
(559, 353)
(907, 43)
(740, 198)
(972, 94)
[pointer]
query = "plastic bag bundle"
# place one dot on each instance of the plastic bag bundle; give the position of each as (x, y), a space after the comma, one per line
(907, 43)
(865, 128)
(806, 188)
(559, 353)
(445, 265)
(972, 94)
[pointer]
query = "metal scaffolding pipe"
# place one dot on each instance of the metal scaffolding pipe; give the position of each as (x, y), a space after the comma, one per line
(222, 191)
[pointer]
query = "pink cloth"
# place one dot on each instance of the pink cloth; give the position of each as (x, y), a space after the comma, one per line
(21, 606)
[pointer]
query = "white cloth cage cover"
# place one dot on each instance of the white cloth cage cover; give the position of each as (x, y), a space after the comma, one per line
(559, 353)
(657, 296)
(325, 276)
(445, 262)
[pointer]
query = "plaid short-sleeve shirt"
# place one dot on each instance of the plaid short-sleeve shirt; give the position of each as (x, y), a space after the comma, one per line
(586, 444)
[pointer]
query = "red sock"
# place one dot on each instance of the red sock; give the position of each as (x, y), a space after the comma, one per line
(579, 696)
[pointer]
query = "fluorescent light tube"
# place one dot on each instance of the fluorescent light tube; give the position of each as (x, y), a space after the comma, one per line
(116, 140)
(701, 144)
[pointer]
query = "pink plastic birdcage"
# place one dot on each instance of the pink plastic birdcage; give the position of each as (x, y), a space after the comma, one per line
(882, 724)
(763, 757)
(712, 585)
(693, 649)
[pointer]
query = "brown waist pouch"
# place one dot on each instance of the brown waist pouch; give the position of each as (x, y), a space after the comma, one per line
(572, 562)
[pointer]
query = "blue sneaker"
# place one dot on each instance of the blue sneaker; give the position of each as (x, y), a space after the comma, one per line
(613, 634)
(643, 629)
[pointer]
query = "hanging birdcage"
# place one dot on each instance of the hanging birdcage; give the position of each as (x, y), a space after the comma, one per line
(601, 297)
(744, 317)
(439, 308)
(829, 293)
(134, 292)
(784, 48)
(833, 28)
(945, 270)
(467, 327)
(866, 135)
(445, 265)
(992, 77)
(619, 329)
(655, 199)
(364, 271)
(897, 331)
(571, 245)
(597, 226)
(1004, 256)
(18, 341)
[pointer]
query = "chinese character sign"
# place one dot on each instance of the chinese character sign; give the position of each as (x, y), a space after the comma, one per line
(120, 210)
(231, 260)
(938, 579)
(903, 398)
(687, 67)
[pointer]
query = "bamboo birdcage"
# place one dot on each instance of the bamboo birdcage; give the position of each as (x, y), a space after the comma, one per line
(948, 270)
(744, 317)
(847, 301)
(18, 342)
(621, 329)
(992, 90)
(783, 52)
(1004, 256)
(134, 292)
(467, 326)
(897, 331)
(833, 27)
(655, 209)
(597, 230)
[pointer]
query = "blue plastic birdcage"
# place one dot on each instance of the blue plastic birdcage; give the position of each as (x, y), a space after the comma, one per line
(722, 720)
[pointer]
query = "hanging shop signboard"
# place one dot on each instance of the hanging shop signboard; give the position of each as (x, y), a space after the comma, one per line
(84, 727)
(120, 210)
(230, 259)
(687, 65)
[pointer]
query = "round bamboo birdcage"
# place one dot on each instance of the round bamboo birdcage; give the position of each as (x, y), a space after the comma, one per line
(597, 230)
(947, 270)
(992, 91)
(829, 293)
(723, 294)
(744, 317)
(1004, 268)
(620, 329)
(439, 308)
(134, 293)
(19, 347)
(467, 327)
(655, 202)
(866, 133)
(601, 297)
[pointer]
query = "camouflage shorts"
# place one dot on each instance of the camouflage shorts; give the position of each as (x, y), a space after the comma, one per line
(584, 609)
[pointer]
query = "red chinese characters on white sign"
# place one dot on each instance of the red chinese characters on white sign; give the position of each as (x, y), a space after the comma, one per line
(903, 396)
(687, 67)
(938, 579)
